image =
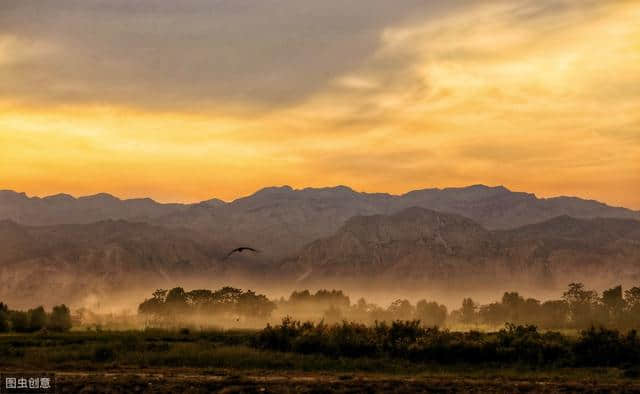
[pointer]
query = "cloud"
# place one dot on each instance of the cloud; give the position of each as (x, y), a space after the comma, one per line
(516, 92)
(189, 54)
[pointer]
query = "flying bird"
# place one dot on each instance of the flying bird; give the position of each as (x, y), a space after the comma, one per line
(240, 250)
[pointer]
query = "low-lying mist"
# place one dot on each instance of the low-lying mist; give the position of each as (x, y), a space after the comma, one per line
(233, 308)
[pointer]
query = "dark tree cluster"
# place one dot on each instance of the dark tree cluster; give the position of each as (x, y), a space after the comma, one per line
(429, 313)
(32, 320)
(322, 298)
(177, 305)
(579, 308)
(335, 306)
(522, 345)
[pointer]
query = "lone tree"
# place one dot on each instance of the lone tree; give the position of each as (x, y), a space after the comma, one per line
(37, 319)
(582, 303)
(468, 311)
(60, 319)
(614, 304)
(431, 313)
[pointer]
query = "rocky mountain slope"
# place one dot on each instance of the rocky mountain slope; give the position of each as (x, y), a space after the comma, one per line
(458, 237)
(437, 249)
(69, 262)
(65, 209)
(280, 220)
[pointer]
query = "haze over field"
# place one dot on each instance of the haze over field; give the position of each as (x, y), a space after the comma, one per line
(439, 243)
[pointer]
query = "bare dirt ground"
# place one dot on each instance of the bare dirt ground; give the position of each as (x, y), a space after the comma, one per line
(198, 381)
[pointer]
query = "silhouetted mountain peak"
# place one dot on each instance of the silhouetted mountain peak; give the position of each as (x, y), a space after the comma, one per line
(10, 195)
(60, 197)
(66, 209)
(480, 187)
(103, 197)
(330, 189)
(273, 190)
(281, 219)
(213, 202)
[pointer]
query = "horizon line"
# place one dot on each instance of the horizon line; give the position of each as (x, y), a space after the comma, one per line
(285, 186)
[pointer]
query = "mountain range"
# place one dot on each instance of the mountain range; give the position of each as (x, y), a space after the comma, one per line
(281, 220)
(465, 237)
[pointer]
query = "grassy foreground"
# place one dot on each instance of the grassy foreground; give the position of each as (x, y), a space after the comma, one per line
(241, 361)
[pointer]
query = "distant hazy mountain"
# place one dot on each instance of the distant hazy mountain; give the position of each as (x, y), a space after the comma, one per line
(281, 220)
(418, 238)
(65, 263)
(410, 247)
(65, 209)
(431, 248)
(500, 208)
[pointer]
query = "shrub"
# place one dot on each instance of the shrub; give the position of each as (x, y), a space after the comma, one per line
(103, 354)
(19, 321)
(523, 345)
(60, 319)
(37, 319)
(604, 347)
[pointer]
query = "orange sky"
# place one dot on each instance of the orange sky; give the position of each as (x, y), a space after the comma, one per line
(539, 96)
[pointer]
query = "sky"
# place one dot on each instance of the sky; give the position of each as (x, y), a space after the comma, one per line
(189, 100)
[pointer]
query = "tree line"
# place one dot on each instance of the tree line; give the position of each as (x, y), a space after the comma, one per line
(175, 305)
(334, 306)
(37, 319)
(578, 308)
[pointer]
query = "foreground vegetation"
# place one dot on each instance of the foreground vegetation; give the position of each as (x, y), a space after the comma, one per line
(513, 345)
(349, 346)
(401, 357)
(399, 346)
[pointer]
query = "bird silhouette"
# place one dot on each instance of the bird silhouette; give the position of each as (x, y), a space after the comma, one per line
(240, 250)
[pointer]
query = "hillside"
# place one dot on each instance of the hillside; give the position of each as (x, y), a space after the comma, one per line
(68, 263)
(429, 248)
(281, 220)
(65, 209)
(465, 238)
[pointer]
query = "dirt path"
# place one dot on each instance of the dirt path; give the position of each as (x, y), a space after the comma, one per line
(194, 381)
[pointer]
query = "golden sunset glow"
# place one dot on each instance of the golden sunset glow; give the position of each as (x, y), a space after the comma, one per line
(497, 92)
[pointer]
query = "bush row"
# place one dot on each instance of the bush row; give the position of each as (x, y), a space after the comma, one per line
(410, 340)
